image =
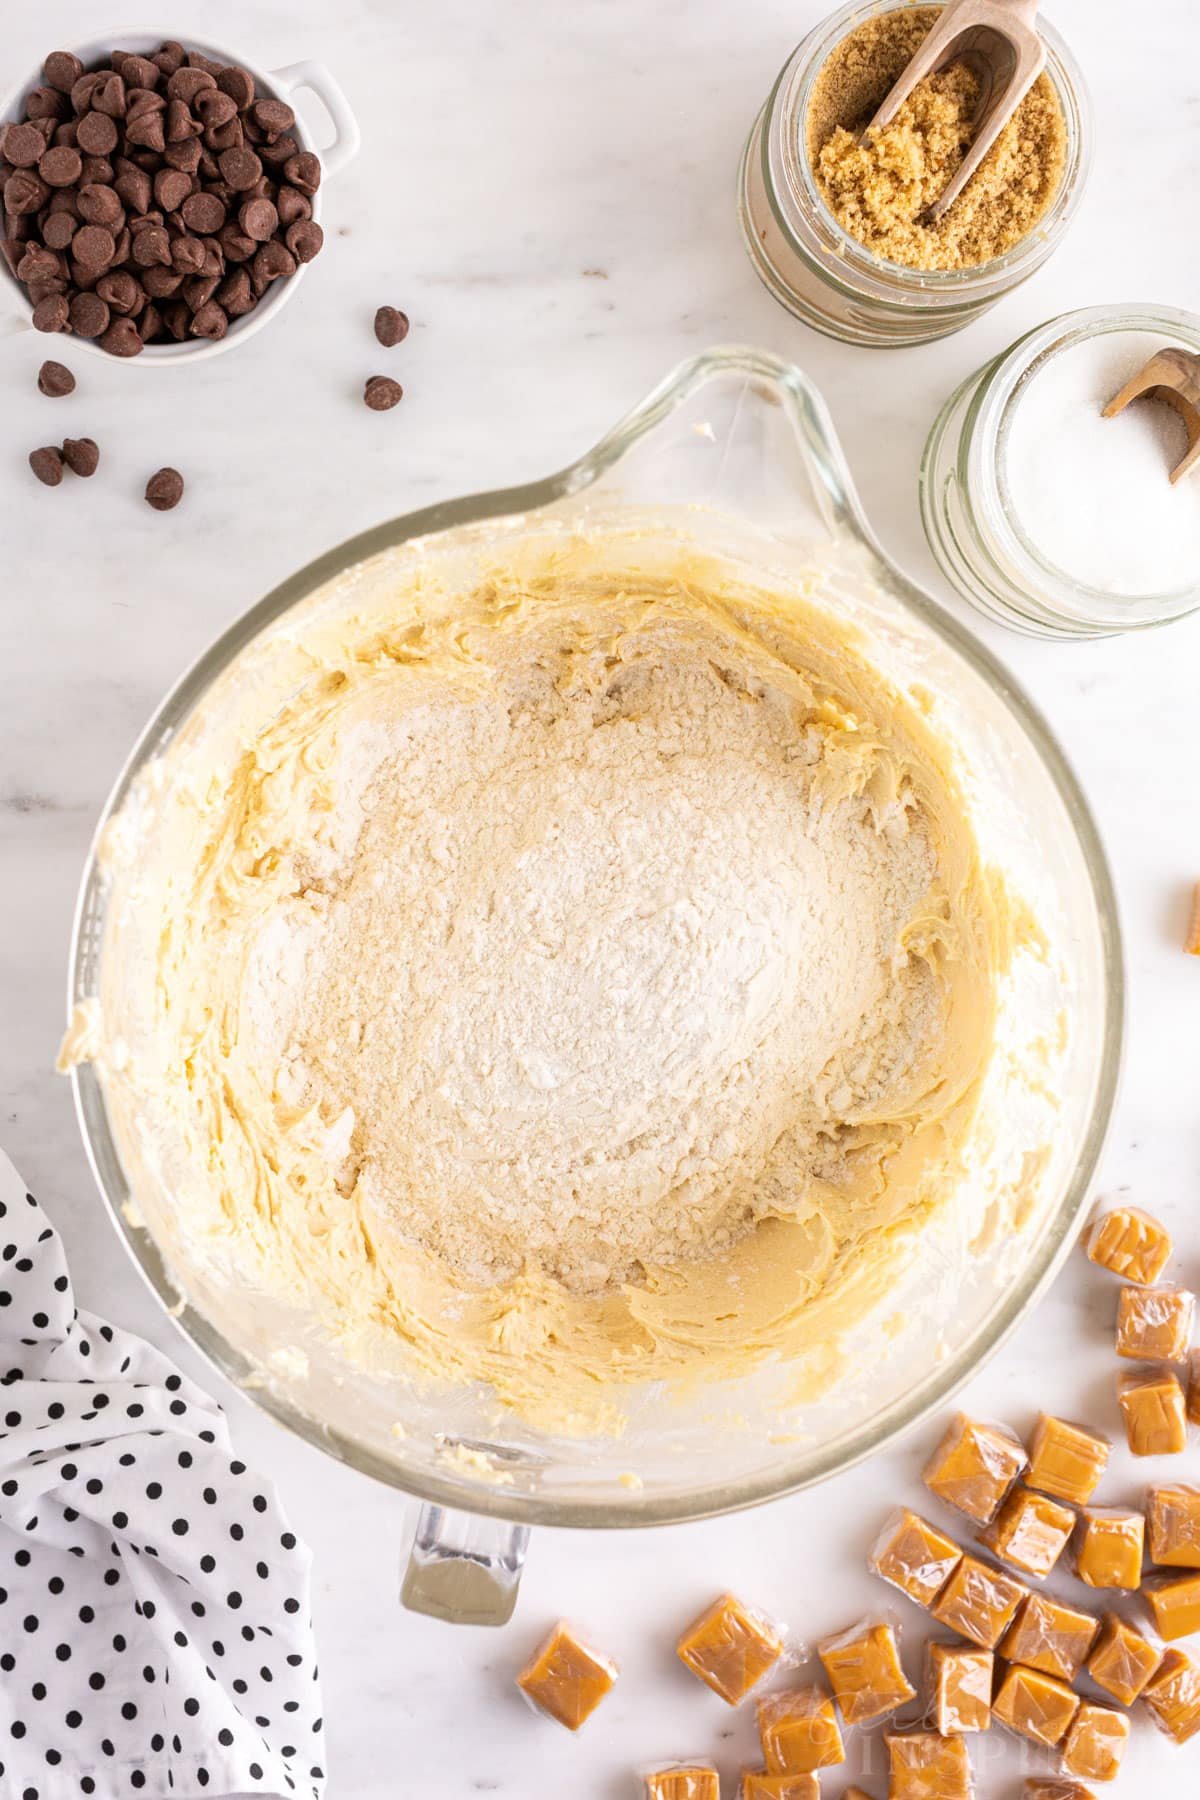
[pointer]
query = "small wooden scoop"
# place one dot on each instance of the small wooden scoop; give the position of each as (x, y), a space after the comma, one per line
(1174, 376)
(1000, 42)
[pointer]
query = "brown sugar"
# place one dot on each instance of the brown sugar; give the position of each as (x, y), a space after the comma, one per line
(1155, 1324)
(565, 1679)
(1174, 1604)
(1131, 1243)
(730, 1648)
(979, 1602)
(863, 1666)
(1173, 1518)
(973, 1468)
(879, 189)
(1096, 1743)
(1173, 1696)
(1123, 1660)
(1030, 1531)
(925, 1766)
(1066, 1460)
(1050, 1637)
(696, 1781)
(914, 1556)
(1109, 1543)
(1035, 1705)
(758, 1785)
(960, 1687)
(1155, 1413)
(799, 1732)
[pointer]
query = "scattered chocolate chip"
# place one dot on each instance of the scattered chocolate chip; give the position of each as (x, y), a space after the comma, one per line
(276, 154)
(47, 465)
(381, 393)
(52, 313)
(304, 239)
(391, 326)
(188, 255)
(164, 489)
(81, 455)
(147, 132)
(62, 70)
(122, 338)
(55, 380)
(89, 316)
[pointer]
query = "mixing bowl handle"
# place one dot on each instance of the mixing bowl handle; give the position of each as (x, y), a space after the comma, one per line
(463, 1568)
(347, 138)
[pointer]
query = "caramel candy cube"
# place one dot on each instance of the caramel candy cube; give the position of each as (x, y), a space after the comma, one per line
(1173, 1696)
(695, 1781)
(1030, 1531)
(1155, 1324)
(1173, 1516)
(863, 1666)
(1054, 1787)
(1193, 1392)
(1096, 1743)
(799, 1731)
(1035, 1705)
(914, 1556)
(730, 1648)
(1123, 1660)
(979, 1602)
(960, 1683)
(973, 1468)
(1109, 1545)
(925, 1766)
(566, 1679)
(758, 1785)
(1154, 1412)
(1050, 1637)
(1174, 1603)
(1066, 1460)
(1131, 1243)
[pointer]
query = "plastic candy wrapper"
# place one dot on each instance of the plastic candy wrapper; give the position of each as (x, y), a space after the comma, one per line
(926, 1766)
(1050, 1637)
(757, 1784)
(1109, 1547)
(1030, 1531)
(683, 1781)
(1066, 1460)
(1096, 1743)
(980, 1602)
(914, 1556)
(1155, 1413)
(730, 1648)
(565, 1679)
(1054, 1787)
(1036, 1706)
(1173, 1696)
(863, 1668)
(1193, 1388)
(1123, 1661)
(1174, 1604)
(1173, 1522)
(974, 1466)
(799, 1731)
(1131, 1243)
(960, 1687)
(1155, 1324)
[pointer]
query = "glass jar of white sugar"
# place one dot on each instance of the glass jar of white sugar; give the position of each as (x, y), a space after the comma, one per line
(1049, 517)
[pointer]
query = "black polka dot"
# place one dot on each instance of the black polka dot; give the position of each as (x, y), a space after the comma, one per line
(63, 1652)
(95, 1485)
(38, 1690)
(73, 1720)
(191, 1708)
(225, 1736)
(259, 1503)
(179, 1527)
(30, 1622)
(255, 1772)
(209, 1496)
(129, 1710)
(154, 1490)
(96, 1681)
(233, 1600)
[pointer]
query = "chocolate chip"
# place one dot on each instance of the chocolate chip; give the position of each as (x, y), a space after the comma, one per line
(46, 103)
(52, 313)
(238, 84)
(291, 205)
(160, 282)
(236, 294)
(108, 96)
(259, 220)
(203, 213)
(381, 393)
(391, 326)
(150, 323)
(209, 321)
(272, 117)
(198, 60)
(198, 290)
(185, 84)
(84, 88)
(22, 146)
(240, 168)
(139, 101)
(81, 455)
(122, 338)
(278, 154)
(136, 71)
(177, 317)
(147, 132)
(25, 192)
(172, 56)
(39, 265)
(94, 247)
(304, 239)
(55, 380)
(97, 172)
(272, 262)
(97, 134)
(150, 246)
(214, 108)
(47, 465)
(171, 189)
(101, 205)
(164, 489)
(188, 255)
(238, 248)
(184, 156)
(122, 293)
(304, 172)
(89, 316)
(58, 230)
(225, 137)
(133, 186)
(60, 167)
(62, 70)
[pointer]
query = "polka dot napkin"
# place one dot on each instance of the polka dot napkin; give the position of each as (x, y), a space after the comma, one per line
(154, 1606)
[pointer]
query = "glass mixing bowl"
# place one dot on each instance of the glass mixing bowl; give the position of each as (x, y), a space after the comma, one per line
(734, 453)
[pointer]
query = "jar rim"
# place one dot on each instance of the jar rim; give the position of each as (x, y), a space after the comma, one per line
(799, 203)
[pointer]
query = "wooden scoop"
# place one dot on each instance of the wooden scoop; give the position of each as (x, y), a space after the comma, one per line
(1174, 376)
(999, 40)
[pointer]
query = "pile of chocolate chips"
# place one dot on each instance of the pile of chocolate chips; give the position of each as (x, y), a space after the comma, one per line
(153, 199)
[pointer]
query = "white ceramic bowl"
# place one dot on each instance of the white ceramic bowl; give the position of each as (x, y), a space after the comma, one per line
(278, 84)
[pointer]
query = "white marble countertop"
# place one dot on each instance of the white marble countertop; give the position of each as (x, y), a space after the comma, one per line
(549, 192)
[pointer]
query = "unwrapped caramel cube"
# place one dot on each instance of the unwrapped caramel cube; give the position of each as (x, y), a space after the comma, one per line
(1155, 1324)
(799, 1731)
(565, 1679)
(1173, 1517)
(1123, 1660)
(1155, 1413)
(914, 1556)
(730, 1648)
(973, 1467)
(1030, 1531)
(1096, 1743)
(1035, 1705)
(690, 1781)
(1050, 1637)
(1066, 1460)
(863, 1666)
(1054, 1787)
(980, 1602)
(1174, 1604)
(925, 1766)
(960, 1687)
(1173, 1696)
(758, 1785)
(1109, 1543)
(1131, 1243)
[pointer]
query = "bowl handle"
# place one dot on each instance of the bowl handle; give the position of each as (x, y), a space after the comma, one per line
(463, 1568)
(347, 138)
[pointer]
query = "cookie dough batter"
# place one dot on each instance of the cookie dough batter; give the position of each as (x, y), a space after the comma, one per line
(575, 982)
